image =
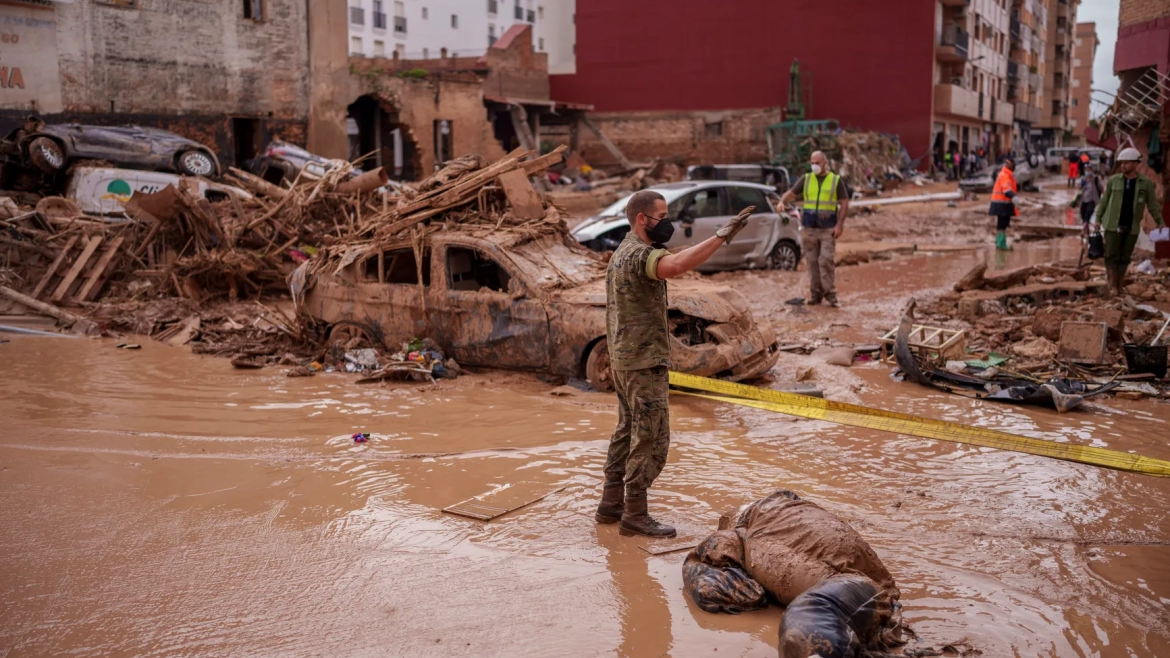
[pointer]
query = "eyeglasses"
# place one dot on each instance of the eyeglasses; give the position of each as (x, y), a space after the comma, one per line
(656, 219)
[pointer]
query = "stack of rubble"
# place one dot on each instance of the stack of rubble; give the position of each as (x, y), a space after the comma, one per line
(166, 267)
(871, 162)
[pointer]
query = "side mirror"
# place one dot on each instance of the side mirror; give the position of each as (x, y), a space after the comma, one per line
(688, 231)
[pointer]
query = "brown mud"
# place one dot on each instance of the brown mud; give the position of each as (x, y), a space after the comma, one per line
(159, 502)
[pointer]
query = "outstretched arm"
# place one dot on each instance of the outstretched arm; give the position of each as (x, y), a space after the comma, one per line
(673, 265)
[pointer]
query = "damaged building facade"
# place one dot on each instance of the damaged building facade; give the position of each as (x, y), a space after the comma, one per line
(231, 75)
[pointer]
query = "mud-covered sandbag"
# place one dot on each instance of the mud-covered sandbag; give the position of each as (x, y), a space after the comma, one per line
(791, 544)
(714, 578)
(842, 617)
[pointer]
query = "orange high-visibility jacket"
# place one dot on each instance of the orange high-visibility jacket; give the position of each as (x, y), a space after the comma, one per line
(1000, 201)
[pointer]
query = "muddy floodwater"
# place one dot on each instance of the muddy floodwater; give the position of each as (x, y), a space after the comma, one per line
(154, 502)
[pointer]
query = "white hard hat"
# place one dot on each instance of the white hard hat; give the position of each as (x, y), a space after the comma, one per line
(1129, 154)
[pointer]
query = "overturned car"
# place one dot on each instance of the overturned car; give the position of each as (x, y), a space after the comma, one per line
(518, 301)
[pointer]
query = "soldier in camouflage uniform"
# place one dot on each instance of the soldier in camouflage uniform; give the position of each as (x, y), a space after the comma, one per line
(639, 350)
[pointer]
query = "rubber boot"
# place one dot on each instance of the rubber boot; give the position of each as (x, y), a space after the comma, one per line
(612, 502)
(636, 520)
(1001, 242)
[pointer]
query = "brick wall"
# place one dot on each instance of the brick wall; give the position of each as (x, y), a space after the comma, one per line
(1133, 12)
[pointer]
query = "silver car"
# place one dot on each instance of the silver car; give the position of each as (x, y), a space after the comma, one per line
(698, 209)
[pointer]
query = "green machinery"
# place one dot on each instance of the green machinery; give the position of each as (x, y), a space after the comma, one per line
(792, 141)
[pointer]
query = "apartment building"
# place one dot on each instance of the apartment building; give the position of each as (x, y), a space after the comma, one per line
(1084, 52)
(1026, 67)
(1054, 115)
(972, 108)
(429, 29)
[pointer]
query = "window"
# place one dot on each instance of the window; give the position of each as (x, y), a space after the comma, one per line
(704, 203)
(443, 150)
(400, 50)
(540, 13)
(491, 34)
(379, 48)
(742, 197)
(380, 14)
(454, 21)
(357, 15)
(355, 46)
(493, 7)
(398, 266)
(424, 13)
(254, 10)
(1074, 101)
(467, 269)
(400, 25)
(713, 129)
(531, 16)
(540, 41)
(519, 11)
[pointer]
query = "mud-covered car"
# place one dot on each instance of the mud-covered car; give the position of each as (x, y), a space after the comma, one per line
(504, 300)
(50, 148)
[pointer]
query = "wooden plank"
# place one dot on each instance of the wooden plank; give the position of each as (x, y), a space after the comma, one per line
(524, 200)
(99, 270)
(418, 202)
(520, 127)
(29, 245)
(53, 267)
(78, 265)
(446, 195)
(545, 161)
(609, 146)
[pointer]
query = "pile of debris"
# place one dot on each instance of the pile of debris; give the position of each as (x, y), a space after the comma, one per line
(872, 162)
(1042, 324)
(176, 264)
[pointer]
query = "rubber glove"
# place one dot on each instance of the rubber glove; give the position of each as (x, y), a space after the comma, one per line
(735, 225)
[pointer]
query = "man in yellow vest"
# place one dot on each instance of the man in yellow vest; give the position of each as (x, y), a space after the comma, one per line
(826, 204)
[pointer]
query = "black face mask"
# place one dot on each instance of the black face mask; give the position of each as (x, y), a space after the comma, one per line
(662, 231)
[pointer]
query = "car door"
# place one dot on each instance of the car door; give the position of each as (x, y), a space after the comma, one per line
(389, 295)
(699, 215)
(750, 245)
(485, 315)
(121, 145)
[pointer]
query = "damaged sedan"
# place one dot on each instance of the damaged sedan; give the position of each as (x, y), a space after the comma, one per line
(517, 301)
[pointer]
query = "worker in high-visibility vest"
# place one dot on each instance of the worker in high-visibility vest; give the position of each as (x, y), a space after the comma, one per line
(822, 220)
(1003, 206)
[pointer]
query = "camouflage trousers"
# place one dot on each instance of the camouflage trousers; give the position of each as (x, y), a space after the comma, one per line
(637, 450)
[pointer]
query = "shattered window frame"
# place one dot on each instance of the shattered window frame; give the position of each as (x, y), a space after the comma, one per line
(380, 267)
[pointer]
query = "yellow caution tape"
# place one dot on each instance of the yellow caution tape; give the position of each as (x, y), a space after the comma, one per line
(928, 428)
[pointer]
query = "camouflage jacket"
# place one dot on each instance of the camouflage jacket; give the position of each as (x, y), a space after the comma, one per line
(635, 307)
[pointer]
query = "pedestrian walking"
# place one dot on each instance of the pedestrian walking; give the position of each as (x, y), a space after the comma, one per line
(637, 335)
(949, 159)
(1003, 206)
(1127, 196)
(1090, 194)
(826, 204)
(1073, 165)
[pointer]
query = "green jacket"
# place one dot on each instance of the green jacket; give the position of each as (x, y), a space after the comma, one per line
(1145, 197)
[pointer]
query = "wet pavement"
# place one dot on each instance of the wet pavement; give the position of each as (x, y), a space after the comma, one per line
(156, 502)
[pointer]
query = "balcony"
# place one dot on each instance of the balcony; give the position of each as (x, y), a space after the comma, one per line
(952, 44)
(380, 20)
(1026, 113)
(400, 25)
(1061, 9)
(357, 16)
(1014, 29)
(1035, 81)
(1013, 92)
(1013, 70)
(953, 99)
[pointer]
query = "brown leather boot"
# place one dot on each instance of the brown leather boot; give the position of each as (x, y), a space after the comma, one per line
(612, 502)
(636, 520)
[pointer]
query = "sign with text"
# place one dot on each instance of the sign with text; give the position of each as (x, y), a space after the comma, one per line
(29, 75)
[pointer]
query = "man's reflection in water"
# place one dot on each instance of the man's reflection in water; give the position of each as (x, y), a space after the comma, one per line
(642, 605)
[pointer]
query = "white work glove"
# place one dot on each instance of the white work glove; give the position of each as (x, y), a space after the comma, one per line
(735, 225)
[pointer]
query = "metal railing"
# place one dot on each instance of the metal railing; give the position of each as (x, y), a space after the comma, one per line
(1013, 70)
(400, 24)
(357, 15)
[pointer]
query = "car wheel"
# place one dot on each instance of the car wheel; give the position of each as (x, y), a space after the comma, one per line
(597, 369)
(195, 163)
(47, 155)
(785, 256)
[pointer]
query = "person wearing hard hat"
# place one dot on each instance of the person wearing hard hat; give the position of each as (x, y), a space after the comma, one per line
(1003, 206)
(1123, 204)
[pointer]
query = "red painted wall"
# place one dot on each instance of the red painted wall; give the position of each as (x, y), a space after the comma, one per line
(871, 60)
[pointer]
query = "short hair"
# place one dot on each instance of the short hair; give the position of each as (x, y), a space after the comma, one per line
(820, 153)
(642, 202)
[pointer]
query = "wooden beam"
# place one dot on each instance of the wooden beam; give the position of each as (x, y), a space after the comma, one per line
(609, 146)
(99, 270)
(520, 125)
(53, 267)
(82, 259)
(26, 244)
(545, 161)
(524, 200)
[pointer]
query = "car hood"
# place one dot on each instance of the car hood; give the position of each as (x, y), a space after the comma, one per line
(697, 298)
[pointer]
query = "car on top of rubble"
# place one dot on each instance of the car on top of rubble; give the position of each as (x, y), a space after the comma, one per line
(698, 209)
(282, 161)
(510, 300)
(50, 148)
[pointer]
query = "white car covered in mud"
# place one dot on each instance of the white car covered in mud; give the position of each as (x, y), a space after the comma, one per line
(698, 209)
(519, 301)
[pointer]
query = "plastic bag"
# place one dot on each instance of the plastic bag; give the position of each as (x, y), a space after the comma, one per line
(1096, 245)
(839, 618)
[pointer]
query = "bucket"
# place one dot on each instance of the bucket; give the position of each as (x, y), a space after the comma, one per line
(1146, 358)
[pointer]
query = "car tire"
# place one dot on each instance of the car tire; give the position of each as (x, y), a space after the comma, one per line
(784, 256)
(597, 368)
(195, 163)
(47, 155)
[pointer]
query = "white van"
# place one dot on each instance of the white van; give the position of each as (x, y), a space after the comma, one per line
(103, 190)
(1056, 158)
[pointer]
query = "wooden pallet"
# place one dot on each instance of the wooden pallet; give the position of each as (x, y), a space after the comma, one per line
(935, 343)
(79, 275)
